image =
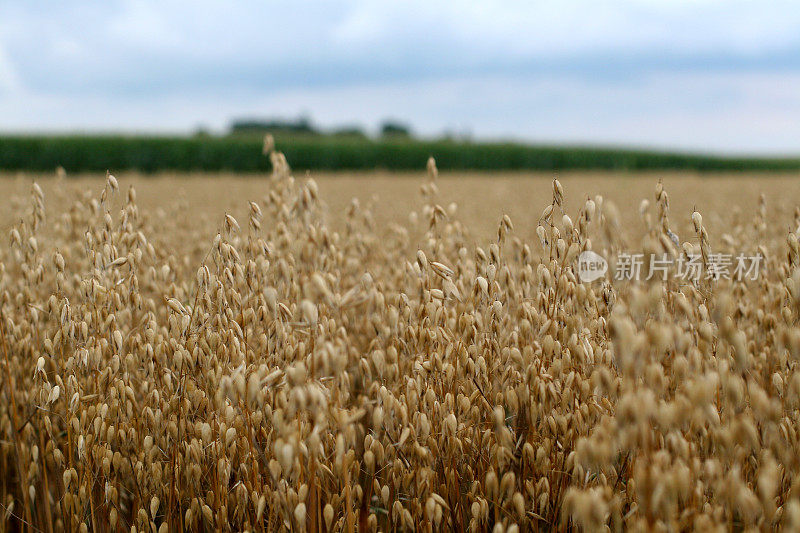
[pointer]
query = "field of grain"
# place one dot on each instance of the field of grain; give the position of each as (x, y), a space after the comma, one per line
(263, 353)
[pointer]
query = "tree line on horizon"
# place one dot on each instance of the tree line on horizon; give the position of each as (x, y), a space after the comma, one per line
(304, 126)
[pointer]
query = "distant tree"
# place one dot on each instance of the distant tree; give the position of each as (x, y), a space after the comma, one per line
(301, 126)
(202, 131)
(391, 128)
(349, 131)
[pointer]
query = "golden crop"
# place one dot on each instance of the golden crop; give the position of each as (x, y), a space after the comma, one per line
(288, 376)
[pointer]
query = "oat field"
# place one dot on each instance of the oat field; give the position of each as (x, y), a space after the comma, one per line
(396, 353)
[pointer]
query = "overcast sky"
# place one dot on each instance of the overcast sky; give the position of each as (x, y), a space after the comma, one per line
(720, 75)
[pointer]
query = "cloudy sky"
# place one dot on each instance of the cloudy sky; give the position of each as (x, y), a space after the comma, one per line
(721, 75)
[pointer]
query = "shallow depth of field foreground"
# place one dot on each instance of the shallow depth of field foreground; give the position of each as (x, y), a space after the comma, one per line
(170, 368)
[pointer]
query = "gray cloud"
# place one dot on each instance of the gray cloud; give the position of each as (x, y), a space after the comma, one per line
(602, 71)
